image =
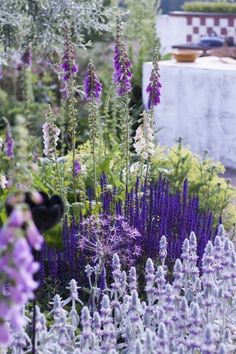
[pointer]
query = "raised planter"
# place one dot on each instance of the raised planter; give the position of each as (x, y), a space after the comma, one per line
(180, 27)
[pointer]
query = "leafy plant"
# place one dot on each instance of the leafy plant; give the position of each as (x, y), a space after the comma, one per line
(215, 7)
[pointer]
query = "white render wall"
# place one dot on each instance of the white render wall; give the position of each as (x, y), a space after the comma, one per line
(198, 102)
(171, 31)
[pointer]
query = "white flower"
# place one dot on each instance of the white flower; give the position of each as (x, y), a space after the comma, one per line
(50, 138)
(144, 138)
(1, 143)
(3, 181)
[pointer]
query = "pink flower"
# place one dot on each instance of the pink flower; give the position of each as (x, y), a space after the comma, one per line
(5, 338)
(34, 237)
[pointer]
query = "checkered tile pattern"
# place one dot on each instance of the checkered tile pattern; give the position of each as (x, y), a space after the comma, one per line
(202, 25)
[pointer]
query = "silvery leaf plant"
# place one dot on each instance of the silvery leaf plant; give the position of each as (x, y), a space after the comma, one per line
(188, 310)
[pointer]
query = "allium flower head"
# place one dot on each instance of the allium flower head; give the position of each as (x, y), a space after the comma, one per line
(108, 235)
(92, 85)
(154, 85)
(69, 66)
(9, 143)
(144, 137)
(122, 66)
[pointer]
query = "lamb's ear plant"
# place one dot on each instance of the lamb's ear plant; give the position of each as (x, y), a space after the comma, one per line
(193, 312)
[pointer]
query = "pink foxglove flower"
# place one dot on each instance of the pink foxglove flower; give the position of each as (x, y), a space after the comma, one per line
(17, 269)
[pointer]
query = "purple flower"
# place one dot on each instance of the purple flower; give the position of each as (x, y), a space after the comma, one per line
(106, 235)
(9, 144)
(17, 269)
(26, 57)
(5, 337)
(92, 85)
(122, 66)
(154, 85)
(69, 66)
(77, 168)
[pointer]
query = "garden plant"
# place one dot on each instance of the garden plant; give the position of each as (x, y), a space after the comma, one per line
(109, 242)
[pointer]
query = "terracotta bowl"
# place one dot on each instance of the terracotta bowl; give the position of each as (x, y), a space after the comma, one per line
(186, 55)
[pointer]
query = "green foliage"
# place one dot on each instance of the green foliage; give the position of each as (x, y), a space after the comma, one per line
(213, 7)
(204, 177)
(43, 22)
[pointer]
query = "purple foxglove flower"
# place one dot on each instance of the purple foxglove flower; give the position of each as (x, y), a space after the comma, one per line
(5, 336)
(1, 72)
(17, 268)
(9, 144)
(92, 85)
(34, 237)
(154, 85)
(77, 168)
(69, 66)
(122, 66)
(26, 57)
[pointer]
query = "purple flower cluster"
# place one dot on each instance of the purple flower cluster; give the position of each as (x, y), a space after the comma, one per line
(192, 312)
(9, 144)
(26, 58)
(154, 85)
(122, 66)
(105, 235)
(17, 269)
(77, 168)
(151, 210)
(92, 85)
(69, 66)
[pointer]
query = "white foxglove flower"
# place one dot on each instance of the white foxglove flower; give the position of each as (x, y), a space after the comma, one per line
(3, 181)
(50, 138)
(144, 138)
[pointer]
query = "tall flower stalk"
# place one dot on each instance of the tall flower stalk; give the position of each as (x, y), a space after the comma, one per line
(144, 140)
(154, 86)
(122, 78)
(92, 91)
(17, 268)
(50, 139)
(70, 69)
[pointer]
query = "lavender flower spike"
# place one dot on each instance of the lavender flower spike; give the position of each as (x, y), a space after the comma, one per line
(154, 86)
(122, 65)
(92, 85)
